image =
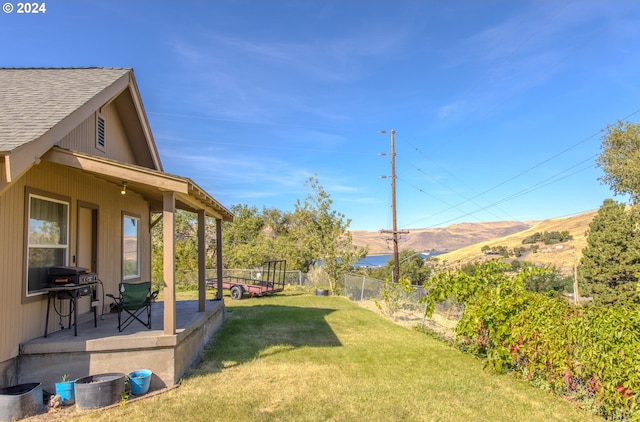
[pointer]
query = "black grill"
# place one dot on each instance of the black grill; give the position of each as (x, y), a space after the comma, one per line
(60, 276)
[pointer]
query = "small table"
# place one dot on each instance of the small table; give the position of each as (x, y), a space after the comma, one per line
(72, 292)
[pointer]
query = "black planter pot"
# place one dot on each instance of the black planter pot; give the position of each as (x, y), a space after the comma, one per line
(101, 390)
(20, 401)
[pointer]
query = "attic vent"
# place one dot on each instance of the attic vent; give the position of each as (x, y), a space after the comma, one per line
(100, 140)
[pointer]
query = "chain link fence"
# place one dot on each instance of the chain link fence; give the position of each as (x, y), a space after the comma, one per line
(402, 305)
(392, 300)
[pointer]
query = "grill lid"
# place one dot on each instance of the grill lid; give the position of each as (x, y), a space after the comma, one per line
(68, 271)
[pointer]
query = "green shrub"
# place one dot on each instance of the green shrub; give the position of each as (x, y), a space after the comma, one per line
(589, 355)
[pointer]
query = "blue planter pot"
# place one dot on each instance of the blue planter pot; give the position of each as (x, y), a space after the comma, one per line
(139, 381)
(67, 392)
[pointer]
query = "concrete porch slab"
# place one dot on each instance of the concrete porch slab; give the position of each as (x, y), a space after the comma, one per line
(103, 349)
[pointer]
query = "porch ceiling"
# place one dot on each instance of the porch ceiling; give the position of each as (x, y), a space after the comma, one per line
(151, 184)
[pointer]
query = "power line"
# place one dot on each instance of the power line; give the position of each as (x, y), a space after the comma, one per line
(523, 192)
(530, 189)
(456, 178)
(523, 173)
(509, 179)
(552, 179)
(439, 199)
(509, 98)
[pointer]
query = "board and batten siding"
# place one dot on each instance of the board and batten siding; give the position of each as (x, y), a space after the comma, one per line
(83, 137)
(24, 321)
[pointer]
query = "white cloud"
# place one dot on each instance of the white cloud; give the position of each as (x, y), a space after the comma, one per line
(449, 109)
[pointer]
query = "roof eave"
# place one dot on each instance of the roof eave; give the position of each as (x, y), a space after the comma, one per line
(149, 183)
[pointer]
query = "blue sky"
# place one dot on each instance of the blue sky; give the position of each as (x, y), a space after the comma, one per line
(498, 106)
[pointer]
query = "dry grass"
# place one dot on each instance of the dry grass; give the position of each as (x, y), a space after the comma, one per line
(440, 239)
(441, 325)
(562, 258)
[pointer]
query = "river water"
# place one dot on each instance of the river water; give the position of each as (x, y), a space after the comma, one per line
(381, 260)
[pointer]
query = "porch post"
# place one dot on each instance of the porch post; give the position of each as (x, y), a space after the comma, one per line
(168, 261)
(202, 292)
(219, 258)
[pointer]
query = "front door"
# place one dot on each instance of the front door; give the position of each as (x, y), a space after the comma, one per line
(87, 250)
(86, 254)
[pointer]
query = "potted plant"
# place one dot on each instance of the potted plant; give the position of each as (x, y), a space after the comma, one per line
(320, 280)
(66, 390)
(322, 291)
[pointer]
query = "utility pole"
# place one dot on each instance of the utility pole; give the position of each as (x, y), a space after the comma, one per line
(394, 231)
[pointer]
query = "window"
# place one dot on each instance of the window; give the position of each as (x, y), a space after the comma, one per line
(47, 239)
(130, 247)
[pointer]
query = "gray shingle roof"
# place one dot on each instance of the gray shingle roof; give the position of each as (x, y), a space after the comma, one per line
(32, 101)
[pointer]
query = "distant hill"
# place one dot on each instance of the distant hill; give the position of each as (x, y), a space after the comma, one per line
(562, 256)
(442, 239)
(465, 241)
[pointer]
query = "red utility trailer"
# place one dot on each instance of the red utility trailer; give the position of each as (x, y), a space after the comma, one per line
(268, 281)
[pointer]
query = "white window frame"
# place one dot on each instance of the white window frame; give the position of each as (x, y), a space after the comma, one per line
(64, 246)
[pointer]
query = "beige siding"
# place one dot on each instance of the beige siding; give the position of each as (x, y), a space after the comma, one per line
(20, 322)
(83, 137)
(11, 206)
(117, 143)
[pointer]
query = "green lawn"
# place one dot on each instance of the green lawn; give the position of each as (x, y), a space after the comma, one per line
(299, 357)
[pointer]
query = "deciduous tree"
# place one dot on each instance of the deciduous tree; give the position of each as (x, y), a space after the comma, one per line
(320, 235)
(620, 159)
(244, 242)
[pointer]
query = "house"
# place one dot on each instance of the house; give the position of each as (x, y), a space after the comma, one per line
(81, 185)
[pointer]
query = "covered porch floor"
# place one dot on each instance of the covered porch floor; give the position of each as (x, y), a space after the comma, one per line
(103, 349)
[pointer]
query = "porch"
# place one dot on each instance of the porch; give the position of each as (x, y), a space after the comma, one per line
(103, 349)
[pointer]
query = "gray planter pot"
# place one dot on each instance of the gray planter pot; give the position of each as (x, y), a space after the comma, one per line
(20, 401)
(101, 390)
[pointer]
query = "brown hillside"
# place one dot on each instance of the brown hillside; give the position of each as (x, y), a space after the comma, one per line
(441, 239)
(562, 256)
